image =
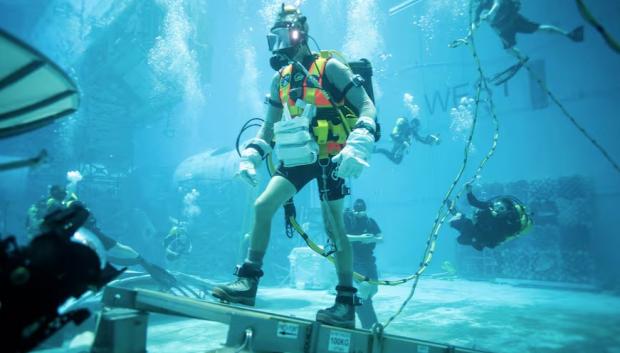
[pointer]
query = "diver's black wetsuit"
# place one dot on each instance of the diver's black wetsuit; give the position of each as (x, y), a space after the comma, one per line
(90, 224)
(47, 206)
(508, 21)
(494, 221)
(364, 261)
(402, 140)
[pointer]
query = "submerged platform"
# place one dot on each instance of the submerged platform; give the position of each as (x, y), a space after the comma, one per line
(249, 330)
(475, 315)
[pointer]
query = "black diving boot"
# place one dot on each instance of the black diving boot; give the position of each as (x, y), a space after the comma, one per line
(243, 290)
(342, 313)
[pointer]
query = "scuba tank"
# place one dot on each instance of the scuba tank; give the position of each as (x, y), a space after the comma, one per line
(363, 68)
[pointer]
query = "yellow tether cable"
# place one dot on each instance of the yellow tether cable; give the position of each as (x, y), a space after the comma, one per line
(587, 15)
(569, 116)
(443, 213)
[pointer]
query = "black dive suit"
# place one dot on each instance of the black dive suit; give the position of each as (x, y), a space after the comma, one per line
(402, 136)
(493, 222)
(364, 262)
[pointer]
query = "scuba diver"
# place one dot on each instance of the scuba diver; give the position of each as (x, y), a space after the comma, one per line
(402, 135)
(53, 201)
(364, 233)
(495, 221)
(117, 253)
(314, 140)
(177, 242)
(506, 20)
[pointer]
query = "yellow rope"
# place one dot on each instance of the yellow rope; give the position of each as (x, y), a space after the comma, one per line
(587, 15)
(443, 213)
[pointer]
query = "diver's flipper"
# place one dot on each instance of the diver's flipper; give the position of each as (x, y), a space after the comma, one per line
(33, 90)
(159, 275)
(23, 163)
(509, 73)
(167, 280)
(576, 35)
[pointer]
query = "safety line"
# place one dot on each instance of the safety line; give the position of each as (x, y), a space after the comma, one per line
(443, 213)
(587, 15)
(569, 116)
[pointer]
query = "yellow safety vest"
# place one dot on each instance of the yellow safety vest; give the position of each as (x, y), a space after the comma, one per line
(327, 128)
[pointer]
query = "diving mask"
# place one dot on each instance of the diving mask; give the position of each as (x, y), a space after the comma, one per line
(499, 208)
(282, 38)
(359, 208)
(359, 214)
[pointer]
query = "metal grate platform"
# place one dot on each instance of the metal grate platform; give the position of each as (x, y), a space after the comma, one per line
(257, 331)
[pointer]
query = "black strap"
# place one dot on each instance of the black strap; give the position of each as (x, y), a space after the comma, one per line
(248, 270)
(273, 103)
(257, 148)
(346, 289)
(372, 130)
(331, 88)
(289, 212)
(357, 81)
(347, 88)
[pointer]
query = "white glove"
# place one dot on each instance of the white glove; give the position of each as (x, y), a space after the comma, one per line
(355, 154)
(251, 160)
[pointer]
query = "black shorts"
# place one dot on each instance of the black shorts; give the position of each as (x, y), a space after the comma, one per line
(519, 24)
(302, 175)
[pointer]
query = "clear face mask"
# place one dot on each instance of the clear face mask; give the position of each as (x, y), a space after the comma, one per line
(278, 39)
(359, 214)
(499, 208)
(281, 38)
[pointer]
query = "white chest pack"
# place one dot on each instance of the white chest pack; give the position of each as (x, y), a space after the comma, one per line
(295, 145)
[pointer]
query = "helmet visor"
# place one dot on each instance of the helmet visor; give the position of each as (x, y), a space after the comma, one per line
(279, 39)
(282, 38)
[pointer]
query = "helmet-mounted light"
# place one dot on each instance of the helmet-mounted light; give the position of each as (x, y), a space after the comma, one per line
(294, 35)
